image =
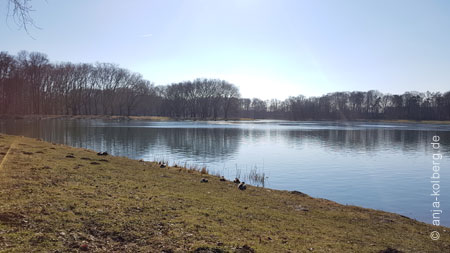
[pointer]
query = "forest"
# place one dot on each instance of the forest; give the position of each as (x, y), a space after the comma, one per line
(32, 85)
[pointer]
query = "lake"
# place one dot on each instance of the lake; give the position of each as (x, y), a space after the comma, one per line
(384, 166)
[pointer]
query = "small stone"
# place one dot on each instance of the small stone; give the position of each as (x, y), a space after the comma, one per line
(84, 247)
(301, 208)
(390, 250)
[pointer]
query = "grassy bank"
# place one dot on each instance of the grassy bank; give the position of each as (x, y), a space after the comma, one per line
(56, 198)
(446, 122)
(106, 117)
(405, 121)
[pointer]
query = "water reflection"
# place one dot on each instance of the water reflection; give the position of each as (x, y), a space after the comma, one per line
(211, 141)
(368, 140)
(125, 138)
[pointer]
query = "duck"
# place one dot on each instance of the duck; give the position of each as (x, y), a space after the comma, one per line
(242, 186)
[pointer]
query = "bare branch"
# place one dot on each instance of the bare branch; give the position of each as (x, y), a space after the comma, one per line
(20, 11)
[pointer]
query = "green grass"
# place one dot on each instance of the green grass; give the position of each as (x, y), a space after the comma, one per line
(50, 203)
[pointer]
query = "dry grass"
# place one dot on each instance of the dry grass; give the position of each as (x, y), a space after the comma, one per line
(256, 177)
(445, 122)
(53, 203)
(107, 117)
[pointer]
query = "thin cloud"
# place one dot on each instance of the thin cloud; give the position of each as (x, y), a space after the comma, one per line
(146, 35)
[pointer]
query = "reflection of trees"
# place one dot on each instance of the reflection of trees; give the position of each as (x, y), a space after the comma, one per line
(206, 143)
(370, 139)
(203, 142)
(131, 140)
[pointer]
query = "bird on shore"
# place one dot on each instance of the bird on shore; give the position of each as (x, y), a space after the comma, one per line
(236, 181)
(242, 186)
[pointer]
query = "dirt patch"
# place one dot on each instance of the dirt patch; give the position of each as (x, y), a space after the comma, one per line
(208, 250)
(390, 250)
(244, 249)
(10, 217)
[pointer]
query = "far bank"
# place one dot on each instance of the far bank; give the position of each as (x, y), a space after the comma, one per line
(165, 118)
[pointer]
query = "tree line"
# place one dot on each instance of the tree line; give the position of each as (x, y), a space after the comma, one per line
(363, 105)
(31, 84)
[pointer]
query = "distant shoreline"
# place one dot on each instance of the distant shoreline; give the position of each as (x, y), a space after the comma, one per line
(116, 117)
(164, 118)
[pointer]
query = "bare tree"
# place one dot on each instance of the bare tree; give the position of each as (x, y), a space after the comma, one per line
(7, 66)
(229, 94)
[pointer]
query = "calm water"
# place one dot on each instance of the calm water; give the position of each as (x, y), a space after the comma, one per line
(380, 166)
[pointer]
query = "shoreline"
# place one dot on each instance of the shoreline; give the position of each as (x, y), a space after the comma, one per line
(62, 198)
(164, 118)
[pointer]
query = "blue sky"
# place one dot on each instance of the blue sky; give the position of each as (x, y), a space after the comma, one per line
(268, 48)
